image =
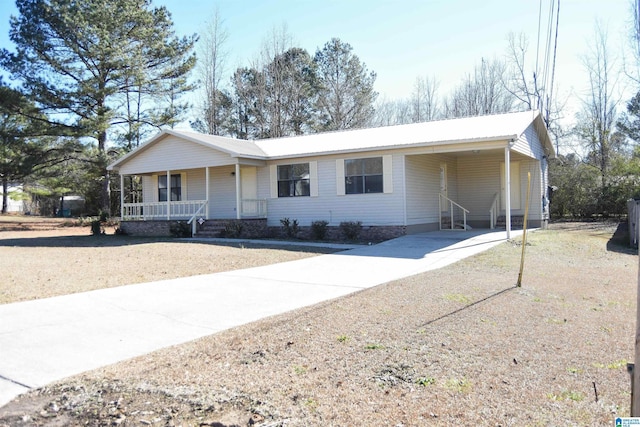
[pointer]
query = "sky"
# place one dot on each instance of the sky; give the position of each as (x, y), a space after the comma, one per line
(403, 39)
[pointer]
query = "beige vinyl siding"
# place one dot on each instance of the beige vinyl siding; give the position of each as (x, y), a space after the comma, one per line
(479, 181)
(222, 192)
(371, 209)
(423, 186)
(196, 186)
(174, 154)
(150, 188)
(529, 144)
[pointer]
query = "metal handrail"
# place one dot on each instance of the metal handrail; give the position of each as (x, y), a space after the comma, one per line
(451, 205)
(193, 217)
(493, 212)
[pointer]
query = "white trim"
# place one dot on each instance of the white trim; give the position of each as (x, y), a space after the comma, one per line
(273, 178)
(206, 189)
(238, 192)
(121, 197)
(340, 184)
(387, 173)
(507, 190)
(313, 178)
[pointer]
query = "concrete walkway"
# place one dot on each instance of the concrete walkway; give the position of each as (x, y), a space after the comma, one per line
(47, 340)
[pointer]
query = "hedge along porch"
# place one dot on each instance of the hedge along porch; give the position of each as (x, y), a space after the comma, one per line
(403, 179)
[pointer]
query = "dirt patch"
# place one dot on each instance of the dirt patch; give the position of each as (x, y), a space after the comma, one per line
(456, 346)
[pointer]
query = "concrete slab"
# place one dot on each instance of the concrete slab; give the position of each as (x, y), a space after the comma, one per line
(47, 340)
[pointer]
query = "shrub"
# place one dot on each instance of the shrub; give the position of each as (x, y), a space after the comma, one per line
(96, 228)
(233, 229)
(351, 229)
(319, 229)
(180, 229)
(290, 227)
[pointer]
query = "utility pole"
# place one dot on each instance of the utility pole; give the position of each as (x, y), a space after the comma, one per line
(635, 374)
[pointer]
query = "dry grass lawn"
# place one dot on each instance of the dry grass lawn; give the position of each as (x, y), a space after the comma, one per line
(456, 346)
(42, 258)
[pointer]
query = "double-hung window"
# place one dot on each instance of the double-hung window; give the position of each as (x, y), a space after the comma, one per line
(175, 188)
(293, 180)
(363, 175)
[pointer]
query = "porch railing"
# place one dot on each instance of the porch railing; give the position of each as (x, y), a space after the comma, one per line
(161, 210)
(253, 208)
(445, 202)
(493, 212)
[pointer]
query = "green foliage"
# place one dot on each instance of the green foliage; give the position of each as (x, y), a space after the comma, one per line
(96, 228)
(319, 230)
(425, 381)
(180, 229)
(96, 57)
(346, 94)
(290, 227)
(343, 338)
(576, 183)
(351, 229)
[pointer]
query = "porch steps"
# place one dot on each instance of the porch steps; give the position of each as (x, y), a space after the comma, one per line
(446, 224)
(516, 221)
(210, 228)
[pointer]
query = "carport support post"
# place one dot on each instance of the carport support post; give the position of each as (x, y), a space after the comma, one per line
(507, 188)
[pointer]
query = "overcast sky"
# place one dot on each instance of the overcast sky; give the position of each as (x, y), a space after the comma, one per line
(403, 39)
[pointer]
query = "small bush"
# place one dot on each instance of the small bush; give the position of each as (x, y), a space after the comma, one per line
(180, 229)
(351, 229)
(233, 229)
(319, 230)
(290, 227)
(96, 228)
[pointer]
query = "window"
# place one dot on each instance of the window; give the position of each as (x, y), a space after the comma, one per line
(176, 188)
(363, 175)
(293, 180)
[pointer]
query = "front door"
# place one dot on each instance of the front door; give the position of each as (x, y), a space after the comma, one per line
(249, 190)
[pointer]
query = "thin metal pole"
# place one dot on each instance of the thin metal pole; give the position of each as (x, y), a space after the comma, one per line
(524, 229)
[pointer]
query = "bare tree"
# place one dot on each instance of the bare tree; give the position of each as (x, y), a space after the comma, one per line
(424, 100)
(211, 68)
(392, 112)
(481, 92)
(599, 108)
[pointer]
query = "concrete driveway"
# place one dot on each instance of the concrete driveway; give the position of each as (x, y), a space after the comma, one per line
(47, 340)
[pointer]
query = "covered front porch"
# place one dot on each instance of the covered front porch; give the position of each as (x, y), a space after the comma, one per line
(479, 188)
(220, 192)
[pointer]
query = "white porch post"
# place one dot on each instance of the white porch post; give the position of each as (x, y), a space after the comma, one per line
(238, 192)
(121, 197)
(507, 188)
(206, 186)
(168, 195)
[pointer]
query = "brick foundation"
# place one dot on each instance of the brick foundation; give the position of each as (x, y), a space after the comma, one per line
(367, 233)
(146, 228)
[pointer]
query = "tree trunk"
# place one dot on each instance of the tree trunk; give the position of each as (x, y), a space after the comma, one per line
(5, 194)
(105, 194)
